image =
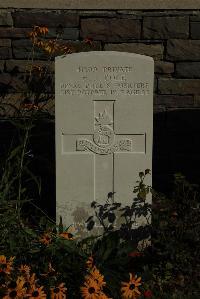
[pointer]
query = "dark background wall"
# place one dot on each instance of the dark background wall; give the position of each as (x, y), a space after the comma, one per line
(171, 37)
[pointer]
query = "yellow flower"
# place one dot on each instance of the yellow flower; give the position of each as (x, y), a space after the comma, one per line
(25, 270)
(90, 290)
(59, 292)
(37, 293)
(97, 277)
(6, 265)
(16, 289)
(130, 289)
(45, 239)
(68, 234)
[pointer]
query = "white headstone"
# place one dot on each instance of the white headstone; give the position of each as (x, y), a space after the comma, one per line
(104, 126)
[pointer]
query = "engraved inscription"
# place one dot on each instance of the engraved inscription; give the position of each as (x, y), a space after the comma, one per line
(104, 138)
(116, 80)
(121, 146)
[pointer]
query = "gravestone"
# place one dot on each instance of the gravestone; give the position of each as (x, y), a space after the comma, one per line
(104, 125)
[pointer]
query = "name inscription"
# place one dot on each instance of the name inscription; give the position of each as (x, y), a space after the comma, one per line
(116, 81)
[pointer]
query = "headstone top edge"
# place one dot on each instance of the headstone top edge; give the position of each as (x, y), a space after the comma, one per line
(103, 53)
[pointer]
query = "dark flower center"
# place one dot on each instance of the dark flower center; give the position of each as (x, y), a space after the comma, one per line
(132, 286)
(70, 236)
(91, 290)
(13, 294)
(26, 285)
(12, 285)
(56, 290)
(35, 294)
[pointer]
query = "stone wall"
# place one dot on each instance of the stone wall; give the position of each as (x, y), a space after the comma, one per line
(171, 37)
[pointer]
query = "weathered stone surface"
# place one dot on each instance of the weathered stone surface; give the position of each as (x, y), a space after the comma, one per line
(78, 46)
(5, 43)
(164, 67)
(153, 50)
(11, 32)
(165, 27)
(197, 100)
(102, 99)
(1, 66)
(110, 29)
(50, 19)
(174, 100)
(5, 53)
(178, 49)
(5, 18)
(195, 30)
(179, 86)
(195, 18)
(188, 69)
(22, 50)
(103, 4)
(68, 33)
(97, 13)
(23, 66)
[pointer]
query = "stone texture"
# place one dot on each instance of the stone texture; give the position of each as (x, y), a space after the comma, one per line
(11, 32)
(165, 27)
(180, 50)
(164, 67)
(195, 18)
(188, 69)
(49, 19)
(174, 100)
(97, 13)
(22, 66)
(5, 53)
(5, 43)
(5, 18)
(179, 86)
(22, 50)
(103, 4)
(68, 33)
(78, 46)
(153, 50)
(197, 100)
(195, 30)
(1, 66)
(110, 29)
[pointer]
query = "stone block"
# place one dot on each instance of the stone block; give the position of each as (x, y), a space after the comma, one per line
(5, 53)
(195, 30)
(1, 66)
(174, 100)
(164, 67)
(11, 32)
(180, 50)
(110, 29)
(81, 46)
(45, 18)
(5, 43)
(5, 18)
(165, 27)
(188, 69)
(179, 86)
(153, 50)
(23, 66)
